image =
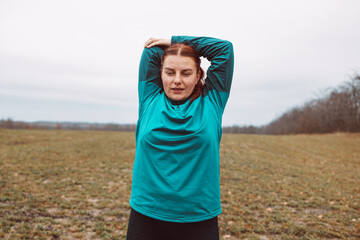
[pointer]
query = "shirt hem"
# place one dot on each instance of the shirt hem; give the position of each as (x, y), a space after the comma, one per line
(169, 219)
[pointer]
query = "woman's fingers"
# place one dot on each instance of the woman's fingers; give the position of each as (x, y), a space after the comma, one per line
(152, 42)
(157, 42)
(149, 41)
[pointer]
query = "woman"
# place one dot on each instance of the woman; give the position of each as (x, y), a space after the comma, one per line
(176, 185)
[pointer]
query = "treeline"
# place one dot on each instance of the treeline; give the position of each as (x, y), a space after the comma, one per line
(250, 129)
(10, 124)
(337, 111)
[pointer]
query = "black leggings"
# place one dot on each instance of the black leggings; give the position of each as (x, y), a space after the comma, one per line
(142, 227)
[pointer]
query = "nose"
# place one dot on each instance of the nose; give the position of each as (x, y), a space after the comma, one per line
(177, 79)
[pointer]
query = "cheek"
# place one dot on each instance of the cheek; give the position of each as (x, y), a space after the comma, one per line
(165, 80)
(192, 83)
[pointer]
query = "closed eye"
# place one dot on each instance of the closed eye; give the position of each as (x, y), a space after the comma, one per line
(187, 73)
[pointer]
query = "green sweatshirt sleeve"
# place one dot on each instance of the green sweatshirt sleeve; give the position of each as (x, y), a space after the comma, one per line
(149, 73)
(221, 55)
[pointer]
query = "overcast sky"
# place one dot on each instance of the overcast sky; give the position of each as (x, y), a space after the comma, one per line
(78, 60)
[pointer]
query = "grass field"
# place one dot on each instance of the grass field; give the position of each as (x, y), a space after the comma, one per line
(76, 185)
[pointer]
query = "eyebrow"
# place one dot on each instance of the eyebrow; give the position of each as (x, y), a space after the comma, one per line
(187, 69)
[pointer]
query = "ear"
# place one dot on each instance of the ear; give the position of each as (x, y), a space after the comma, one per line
(198, 76)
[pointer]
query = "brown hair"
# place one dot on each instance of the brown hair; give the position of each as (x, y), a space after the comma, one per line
(184, 50)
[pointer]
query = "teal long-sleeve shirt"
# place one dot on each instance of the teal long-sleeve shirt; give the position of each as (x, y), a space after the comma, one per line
(176, 173)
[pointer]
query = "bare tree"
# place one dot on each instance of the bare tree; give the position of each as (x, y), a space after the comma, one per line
(338, 110)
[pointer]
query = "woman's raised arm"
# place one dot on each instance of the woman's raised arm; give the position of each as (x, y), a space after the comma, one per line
(149, 74)
(221, 55)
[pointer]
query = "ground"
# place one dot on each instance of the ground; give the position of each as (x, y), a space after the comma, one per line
(57, 184)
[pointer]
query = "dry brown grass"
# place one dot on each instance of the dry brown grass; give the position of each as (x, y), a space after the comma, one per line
(76, 185)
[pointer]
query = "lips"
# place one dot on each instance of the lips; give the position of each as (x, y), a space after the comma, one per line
(177, 90)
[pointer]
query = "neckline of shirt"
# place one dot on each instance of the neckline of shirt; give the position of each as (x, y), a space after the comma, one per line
(180, 102)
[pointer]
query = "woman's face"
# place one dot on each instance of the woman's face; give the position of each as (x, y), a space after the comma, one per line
(179, 76)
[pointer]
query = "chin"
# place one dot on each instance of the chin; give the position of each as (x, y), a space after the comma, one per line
(178, 98)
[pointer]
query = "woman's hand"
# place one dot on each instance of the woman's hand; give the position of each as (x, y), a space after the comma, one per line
(157, 42)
